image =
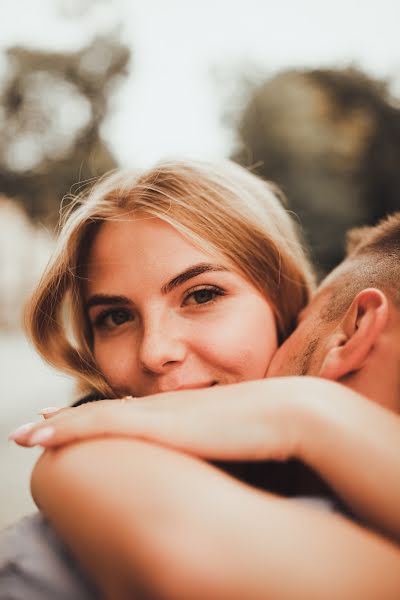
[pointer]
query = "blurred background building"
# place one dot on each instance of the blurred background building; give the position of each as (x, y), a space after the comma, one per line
(305, 93)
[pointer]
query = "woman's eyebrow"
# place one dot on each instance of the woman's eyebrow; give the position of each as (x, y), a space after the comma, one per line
(189, 273)
(105, 299)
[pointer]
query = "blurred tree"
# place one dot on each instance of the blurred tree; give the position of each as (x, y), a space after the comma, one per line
(25, 249)
(331, 140)
(51, 110)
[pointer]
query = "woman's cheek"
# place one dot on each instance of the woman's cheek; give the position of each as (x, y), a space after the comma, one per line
(243, 347)
(115, 363)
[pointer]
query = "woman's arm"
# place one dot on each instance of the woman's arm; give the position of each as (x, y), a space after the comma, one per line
(351, 442)
(139, 514)
(354, 444)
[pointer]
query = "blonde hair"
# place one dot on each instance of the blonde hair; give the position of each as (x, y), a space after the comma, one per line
(221, 207)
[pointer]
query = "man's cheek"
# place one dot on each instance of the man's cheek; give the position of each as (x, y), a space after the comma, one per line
(279, 363)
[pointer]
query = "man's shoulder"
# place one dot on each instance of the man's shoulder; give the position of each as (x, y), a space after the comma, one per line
(35, 564)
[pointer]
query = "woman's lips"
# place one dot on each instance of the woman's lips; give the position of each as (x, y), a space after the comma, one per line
(194, 386)
(163, 389)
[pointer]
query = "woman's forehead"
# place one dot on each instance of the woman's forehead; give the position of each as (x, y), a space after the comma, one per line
(141, 236)
(145, 249)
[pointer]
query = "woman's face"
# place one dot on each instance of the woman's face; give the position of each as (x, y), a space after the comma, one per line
(167, 316)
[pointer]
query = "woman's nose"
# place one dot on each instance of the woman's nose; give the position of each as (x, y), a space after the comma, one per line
(161, 346)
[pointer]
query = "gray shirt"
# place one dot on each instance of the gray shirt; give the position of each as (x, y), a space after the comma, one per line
(36, 565)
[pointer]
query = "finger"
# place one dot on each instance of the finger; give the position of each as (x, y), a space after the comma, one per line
(104, 418)
(60, 411)
(21, 433)
(51, 411)
(83, 422)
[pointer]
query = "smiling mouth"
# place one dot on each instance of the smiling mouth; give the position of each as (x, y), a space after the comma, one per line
(195, 386)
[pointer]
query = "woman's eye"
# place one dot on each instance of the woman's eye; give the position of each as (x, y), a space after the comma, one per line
(203, 295)
(113, 318)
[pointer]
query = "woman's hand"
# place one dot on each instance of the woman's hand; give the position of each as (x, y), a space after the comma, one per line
(351, 442)
(248, 421)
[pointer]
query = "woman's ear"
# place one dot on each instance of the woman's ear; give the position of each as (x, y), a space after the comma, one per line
(352, 341)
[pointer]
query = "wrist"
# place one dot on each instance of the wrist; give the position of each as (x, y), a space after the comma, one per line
(289, 407)
(320, 416)
(305, 405)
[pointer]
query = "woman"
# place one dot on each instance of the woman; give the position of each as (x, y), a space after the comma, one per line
(190, 275)
(222, 210)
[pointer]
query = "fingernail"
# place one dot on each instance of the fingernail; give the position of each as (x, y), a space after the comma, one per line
(48, 410)
(20, 431)
(41, 435)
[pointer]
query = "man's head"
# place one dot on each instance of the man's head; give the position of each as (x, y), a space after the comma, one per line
(350, 331)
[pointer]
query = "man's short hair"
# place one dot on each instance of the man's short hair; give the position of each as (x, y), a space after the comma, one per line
(373, 260)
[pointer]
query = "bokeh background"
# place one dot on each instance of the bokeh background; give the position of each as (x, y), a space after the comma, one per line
(306, 93)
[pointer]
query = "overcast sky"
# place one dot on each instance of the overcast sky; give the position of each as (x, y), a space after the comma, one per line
(171, 105)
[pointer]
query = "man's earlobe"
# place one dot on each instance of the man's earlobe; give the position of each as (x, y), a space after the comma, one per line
(352, 342)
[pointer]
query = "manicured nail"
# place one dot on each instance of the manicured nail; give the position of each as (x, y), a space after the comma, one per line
(40, 436)
(48, 410)
(20, 431)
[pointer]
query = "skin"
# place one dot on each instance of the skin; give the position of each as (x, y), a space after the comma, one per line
(288, 418)
(187, 337)
(267, 421)
(354, 349)
(183, 530)
(298, 354)
(194, 510)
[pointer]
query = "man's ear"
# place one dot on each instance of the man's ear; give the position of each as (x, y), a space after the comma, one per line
(356, 335)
